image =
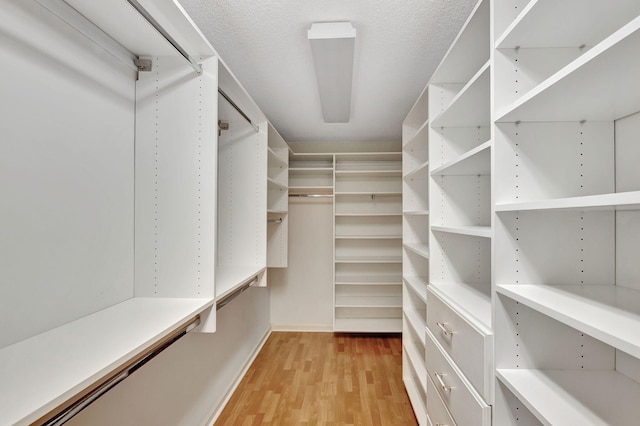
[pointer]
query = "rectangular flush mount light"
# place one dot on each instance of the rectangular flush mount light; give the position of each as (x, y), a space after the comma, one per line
(332, 46)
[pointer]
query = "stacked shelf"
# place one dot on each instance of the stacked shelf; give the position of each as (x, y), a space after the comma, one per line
(368, 238)
(277, 199)
(567, 214)
(311, 174)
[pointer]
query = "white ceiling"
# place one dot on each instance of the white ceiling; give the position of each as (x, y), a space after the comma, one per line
(399, 44)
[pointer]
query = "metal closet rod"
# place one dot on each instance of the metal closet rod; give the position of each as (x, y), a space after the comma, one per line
(274, 221)
(229, 297)
(75, 408)
(237, 108)
(156, 25)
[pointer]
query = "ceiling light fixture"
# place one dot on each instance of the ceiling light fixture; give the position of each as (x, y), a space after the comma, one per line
(332, 46)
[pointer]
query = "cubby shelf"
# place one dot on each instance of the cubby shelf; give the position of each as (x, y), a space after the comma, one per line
(473, 231)
(416, 395)
(420, 249)
(40, 373)
(617, 201)
(417, 323)
(421, 133)
(418, 285)
(276, 185)
(276, 160)
(471, 303)
(421, 169)
(474, 162)
(417, 360)
(544, 23)
(606, 312)
(470, 105)
(581, 397)
(593, 87)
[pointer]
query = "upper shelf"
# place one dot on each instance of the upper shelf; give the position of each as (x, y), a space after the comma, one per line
(544, 23)
(617, 201)
(606, 312)
(39, 374)
(601, 85)
(469, 51)
(470, 107)
(474, 162)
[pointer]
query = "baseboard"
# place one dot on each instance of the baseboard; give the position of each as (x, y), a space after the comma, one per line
(309, 328)
(215, 411)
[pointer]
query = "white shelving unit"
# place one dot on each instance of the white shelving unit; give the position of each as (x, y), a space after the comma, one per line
(567, 217)
(114, 207)
(368, 241)
(277, 200)
(311, 174)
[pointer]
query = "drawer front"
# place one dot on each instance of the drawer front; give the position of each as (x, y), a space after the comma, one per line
(465, 405)
(468, 347)
(438, 413)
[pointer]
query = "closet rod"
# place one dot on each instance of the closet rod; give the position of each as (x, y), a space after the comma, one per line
(274, 221)
(156, 25)
(237, 108)
(229, 297)
(75, 408)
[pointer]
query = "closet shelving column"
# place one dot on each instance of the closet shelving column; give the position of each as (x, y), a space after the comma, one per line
(368, 238)
(277, 200)
(310, 174)
(459, 336)
(567, 212)
(415, 256)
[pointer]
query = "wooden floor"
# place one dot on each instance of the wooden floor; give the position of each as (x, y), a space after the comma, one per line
(323, 379)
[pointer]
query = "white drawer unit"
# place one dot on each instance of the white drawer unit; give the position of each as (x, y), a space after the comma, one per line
(465, 404)
(439, 415)
(468, 344)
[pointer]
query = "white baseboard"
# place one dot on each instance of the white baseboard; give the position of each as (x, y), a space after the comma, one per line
(309, 328)
(215, 411)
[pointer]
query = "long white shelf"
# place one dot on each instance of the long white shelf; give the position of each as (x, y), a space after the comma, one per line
(417, 213)
(467, 301)
(474, 162)
(422, 168)
(368, 301)
(368, 237)
(417, 361)
(418, 285)
(417, 323)
(368, 280)
(420, 249)
(368, 259)
(303, 170)
(374, 192)
(419, 136)
(470, 107)
(560, 397)
(39, 374)
(273, 157)
(276, 185)
(378, 325)
(473, 231)
(601, 85)
(418, 402)
(229, 278)
(618, 201)
(367, 214)
(544, 23)
(369, 172)
(606, 312)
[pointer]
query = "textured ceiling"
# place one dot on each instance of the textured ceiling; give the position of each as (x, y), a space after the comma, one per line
(399, 43)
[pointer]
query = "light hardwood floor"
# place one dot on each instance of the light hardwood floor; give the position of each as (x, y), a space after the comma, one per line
(323, 379)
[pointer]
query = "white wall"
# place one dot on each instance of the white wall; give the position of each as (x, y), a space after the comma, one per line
(302, 294)
(187, 382)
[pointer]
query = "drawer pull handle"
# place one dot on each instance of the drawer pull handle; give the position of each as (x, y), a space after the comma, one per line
(444, 387)
(442, 327)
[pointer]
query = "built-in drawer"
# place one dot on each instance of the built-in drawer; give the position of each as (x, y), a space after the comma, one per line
(438, 413)
(465, 404)
(468, 345)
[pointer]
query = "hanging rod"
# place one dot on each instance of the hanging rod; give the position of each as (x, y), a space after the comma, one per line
(229, 297)
(274, 221)
(311, 195)
(237, 108)
(156, 25)
(75, 408)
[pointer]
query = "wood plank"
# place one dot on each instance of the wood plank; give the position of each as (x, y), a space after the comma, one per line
(323, 378)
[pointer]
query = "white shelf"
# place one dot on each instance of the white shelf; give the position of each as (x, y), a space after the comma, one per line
(544, 23)
(301, 170)
(420, 249)
(598, 86)
(418, 137)
(229, 278)
(417, 399)
(40, 373)
(275, 160)
(422, 168)
(368, 301)
(276, 185)
(474, 162)
(369, 259)
(559, 397)
(368, 237)
(473, 231)
(368, 280)
(470, 107)
(618, 201)
(368, 192)
(367, 214)
(377, 325)
(273, 211)
(369, 172)
(608, 313)
(418, 324)
(467, 301)
(417, 213)
(417, 361)
(418, 285)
